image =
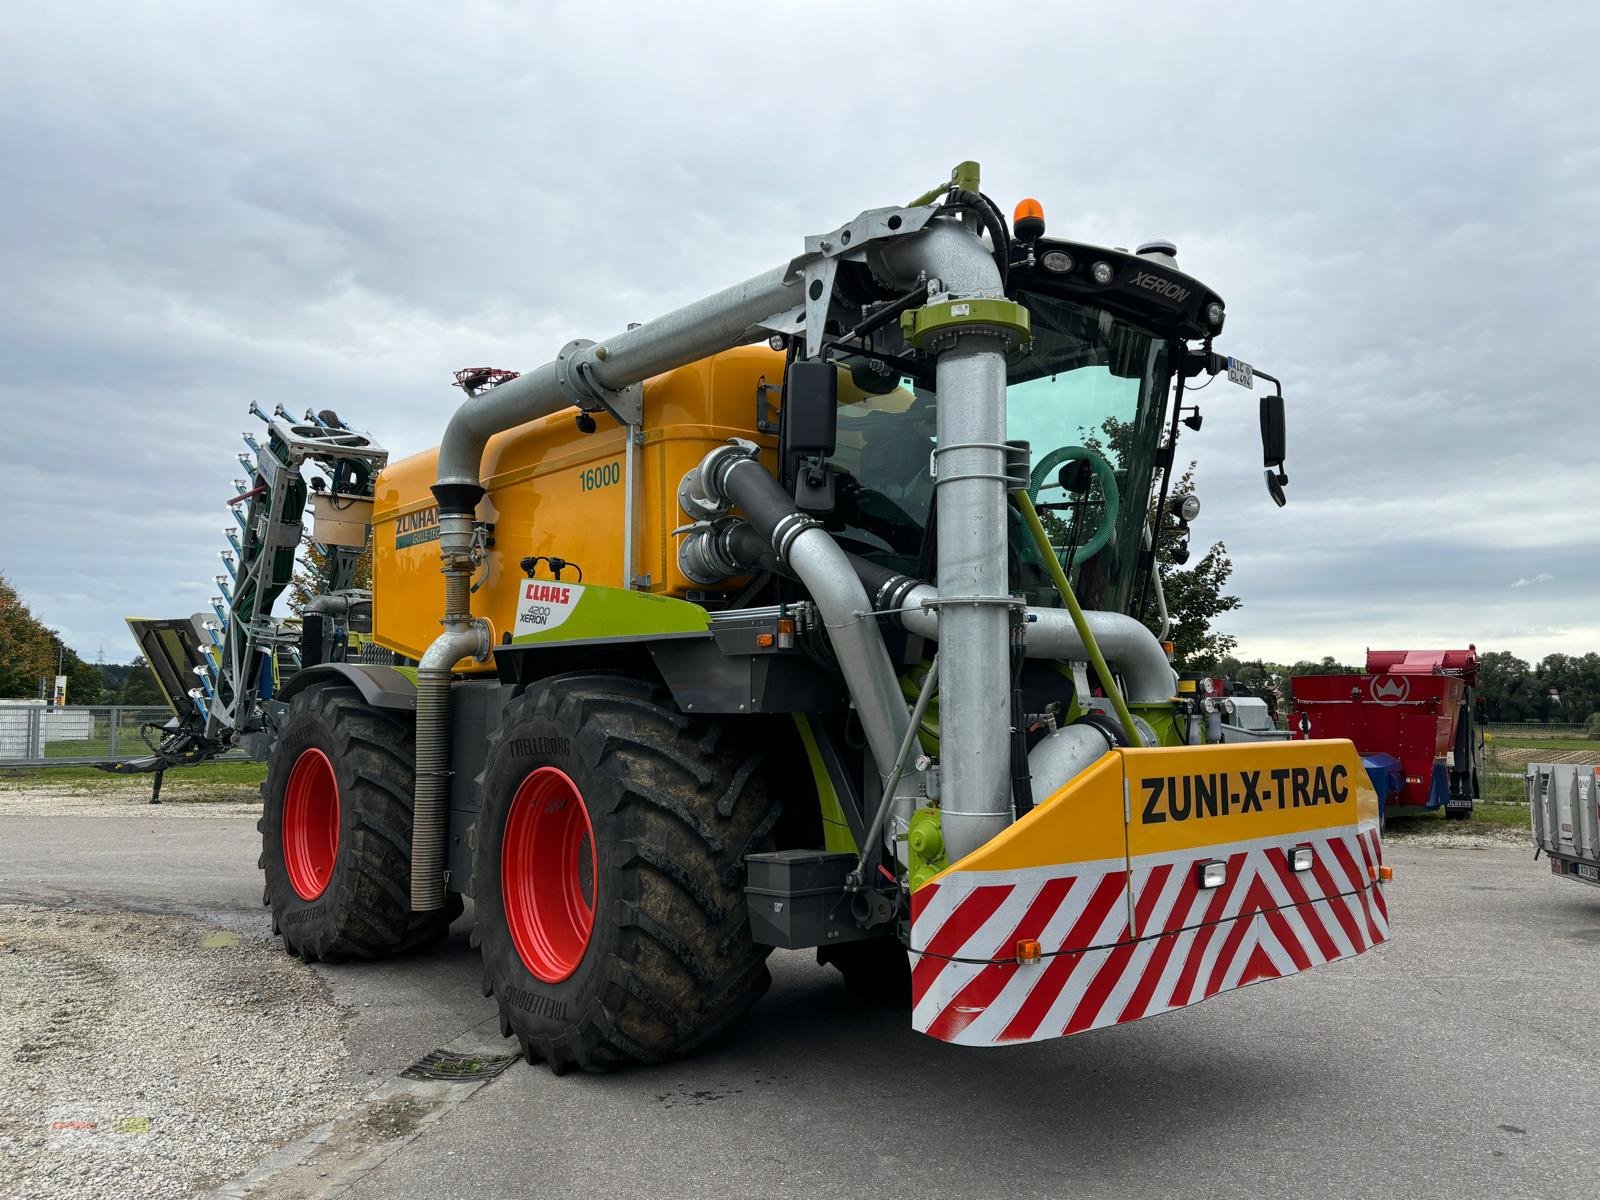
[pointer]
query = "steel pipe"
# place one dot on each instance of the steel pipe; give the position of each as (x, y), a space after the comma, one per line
(1130, 648)
(709, 326)
(974, 723)
(825, 570)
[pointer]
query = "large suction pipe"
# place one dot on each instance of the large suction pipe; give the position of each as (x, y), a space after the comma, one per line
(709, 326)
(731, 474)
(462, 638)
(970, 481)
(1131, 649)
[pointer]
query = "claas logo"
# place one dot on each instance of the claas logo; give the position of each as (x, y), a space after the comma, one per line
(547, 593)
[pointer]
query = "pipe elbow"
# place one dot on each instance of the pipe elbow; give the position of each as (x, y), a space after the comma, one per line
(946, 250)
(466, 640)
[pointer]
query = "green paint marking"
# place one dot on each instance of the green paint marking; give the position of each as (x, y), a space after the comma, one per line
(592, 478)
(836, 835)
(607, 612)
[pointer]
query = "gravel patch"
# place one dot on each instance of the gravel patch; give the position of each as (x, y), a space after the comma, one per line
(153, 1056)
(58, 800)
(1441, 835)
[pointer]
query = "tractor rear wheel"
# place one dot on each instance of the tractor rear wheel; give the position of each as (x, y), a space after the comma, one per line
(609, 874)
(336, 831)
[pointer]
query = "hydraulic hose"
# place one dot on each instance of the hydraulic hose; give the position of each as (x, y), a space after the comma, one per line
(1079, 621)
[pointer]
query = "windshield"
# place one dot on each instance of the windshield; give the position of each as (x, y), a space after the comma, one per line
(1087, 395)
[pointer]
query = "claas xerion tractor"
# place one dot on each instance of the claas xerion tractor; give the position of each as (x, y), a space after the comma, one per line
(804, 616)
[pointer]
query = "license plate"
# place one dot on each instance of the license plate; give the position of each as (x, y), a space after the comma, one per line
(1592, 874)
(1242, 373)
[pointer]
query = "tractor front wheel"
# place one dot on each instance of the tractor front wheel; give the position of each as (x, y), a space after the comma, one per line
(609, 874)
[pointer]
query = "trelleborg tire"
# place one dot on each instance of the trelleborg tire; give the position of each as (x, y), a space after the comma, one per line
(336, 831)
(609, 873)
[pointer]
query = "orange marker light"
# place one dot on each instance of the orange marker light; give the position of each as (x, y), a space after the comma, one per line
(765, 640)
(1386, 873)
(1028, 220)
(1028, 950)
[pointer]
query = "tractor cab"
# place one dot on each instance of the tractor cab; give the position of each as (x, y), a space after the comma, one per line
(1097, 393)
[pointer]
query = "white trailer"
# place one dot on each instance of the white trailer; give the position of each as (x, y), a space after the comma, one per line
(1562, 808)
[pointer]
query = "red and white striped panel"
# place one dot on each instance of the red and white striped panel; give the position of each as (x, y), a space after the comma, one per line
(1121, 944)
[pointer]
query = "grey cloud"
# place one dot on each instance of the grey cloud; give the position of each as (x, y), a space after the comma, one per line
(202, 205)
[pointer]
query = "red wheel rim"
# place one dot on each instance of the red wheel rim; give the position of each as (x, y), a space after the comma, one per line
(548, 881)
(310, 824)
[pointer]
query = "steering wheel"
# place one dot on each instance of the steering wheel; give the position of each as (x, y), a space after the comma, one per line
(1104, 472)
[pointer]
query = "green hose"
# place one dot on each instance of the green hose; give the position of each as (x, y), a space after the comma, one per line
(1079, 621)
(1109, 508)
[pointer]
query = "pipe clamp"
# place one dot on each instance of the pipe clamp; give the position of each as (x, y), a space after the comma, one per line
(932, 323)
(575, 377)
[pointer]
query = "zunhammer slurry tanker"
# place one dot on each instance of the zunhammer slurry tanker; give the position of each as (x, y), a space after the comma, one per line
(802, 616)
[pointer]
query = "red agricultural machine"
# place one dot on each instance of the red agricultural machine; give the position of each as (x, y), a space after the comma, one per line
(1413, 718)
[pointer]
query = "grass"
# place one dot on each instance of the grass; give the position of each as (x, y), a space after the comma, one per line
(1542, 743)
(1488, 816)
(233, 780)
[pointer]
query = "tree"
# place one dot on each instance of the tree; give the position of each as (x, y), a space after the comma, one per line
(1194, 593)
(141, 687)
(85, 684)
(112, 677)
(310, 578)
(1194, 598)
(1327, 666)
(1508, 687)
(27, 651)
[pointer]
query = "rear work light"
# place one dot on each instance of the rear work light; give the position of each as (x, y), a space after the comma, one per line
(1212, 874)
(1300, 858)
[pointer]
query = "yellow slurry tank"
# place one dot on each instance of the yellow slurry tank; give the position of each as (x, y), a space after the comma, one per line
(555, 490)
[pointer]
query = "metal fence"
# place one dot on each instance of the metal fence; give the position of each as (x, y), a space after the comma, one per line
(37, 735)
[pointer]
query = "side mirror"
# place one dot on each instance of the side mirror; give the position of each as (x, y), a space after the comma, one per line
(1274, 446)
(1275, 488)
(1274, 432)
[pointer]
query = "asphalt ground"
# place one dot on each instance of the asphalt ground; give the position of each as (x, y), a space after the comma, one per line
(1459, 1060)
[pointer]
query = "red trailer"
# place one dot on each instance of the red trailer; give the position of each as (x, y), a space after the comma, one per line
(1412, 718)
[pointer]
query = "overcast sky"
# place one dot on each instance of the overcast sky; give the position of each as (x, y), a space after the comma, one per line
(204, 204)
